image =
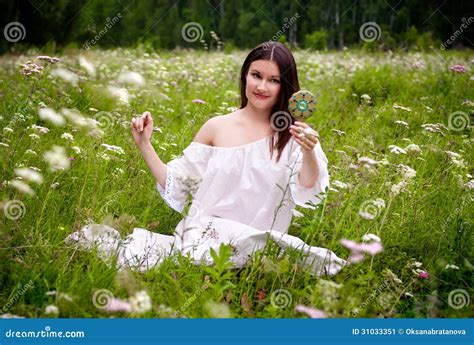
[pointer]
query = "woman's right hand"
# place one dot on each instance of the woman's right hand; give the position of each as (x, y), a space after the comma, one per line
(142, 128)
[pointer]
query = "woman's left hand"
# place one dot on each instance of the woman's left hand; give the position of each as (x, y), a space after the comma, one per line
(304, 135)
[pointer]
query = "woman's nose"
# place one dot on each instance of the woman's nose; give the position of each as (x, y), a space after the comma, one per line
(261, 85)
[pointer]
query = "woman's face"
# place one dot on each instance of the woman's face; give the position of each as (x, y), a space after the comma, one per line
(263, 84)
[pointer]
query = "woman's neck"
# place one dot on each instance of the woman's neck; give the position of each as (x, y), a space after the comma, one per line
(256, 116)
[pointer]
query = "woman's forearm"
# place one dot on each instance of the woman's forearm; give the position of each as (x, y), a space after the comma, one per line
(309, 174)
(156, 166)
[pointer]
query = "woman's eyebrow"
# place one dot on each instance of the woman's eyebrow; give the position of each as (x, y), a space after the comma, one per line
(273, 76)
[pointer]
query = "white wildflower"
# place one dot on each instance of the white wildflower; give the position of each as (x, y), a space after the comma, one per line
(113, 148)
(407, 172)
(76, 149)
(413, 149)
(7, 130)
(367, 161)
(398, 188)
(57, 158)
(4, 144)
(397, 150)
(140, 302)
(21, 187)
(29, 174)
(453, 267)
(65, 75)
(371, 237)
(433, 127)
(120, 94)
(51, 309)
(218, 310)
(104, 156)
(90, 69)
(67, 136)
(417, 264)
(379, 202)
(40, 129)
(50, 115)
(129, 77)
(338, 132)
(403, 123)
(469, 185)
(76, 118)
(396, 106)
(340, 185)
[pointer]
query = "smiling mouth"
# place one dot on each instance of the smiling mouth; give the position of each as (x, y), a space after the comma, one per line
(260, 96)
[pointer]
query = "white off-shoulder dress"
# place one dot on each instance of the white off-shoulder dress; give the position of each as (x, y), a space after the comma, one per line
(240, 196)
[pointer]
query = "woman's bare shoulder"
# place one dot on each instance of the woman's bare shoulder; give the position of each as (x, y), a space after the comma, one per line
(212, 126)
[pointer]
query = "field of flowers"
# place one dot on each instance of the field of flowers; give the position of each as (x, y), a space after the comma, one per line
(397, 130)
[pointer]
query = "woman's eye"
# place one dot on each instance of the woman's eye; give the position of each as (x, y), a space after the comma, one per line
(256, 75)
(275, 81)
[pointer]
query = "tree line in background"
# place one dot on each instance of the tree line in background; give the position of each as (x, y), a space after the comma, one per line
(228, 24)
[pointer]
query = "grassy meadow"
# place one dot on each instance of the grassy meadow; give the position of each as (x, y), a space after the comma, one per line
(396, 128)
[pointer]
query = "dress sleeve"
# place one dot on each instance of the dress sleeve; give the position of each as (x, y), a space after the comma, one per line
(184, 174)
(300, 194)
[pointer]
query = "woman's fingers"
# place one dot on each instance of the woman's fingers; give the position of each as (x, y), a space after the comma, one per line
(139, 123)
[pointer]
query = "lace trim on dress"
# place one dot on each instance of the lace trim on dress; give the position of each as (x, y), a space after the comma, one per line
(166, 193)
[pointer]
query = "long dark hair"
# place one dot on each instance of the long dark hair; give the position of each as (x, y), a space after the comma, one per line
(289, 84)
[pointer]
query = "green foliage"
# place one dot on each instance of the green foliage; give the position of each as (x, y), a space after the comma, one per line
(220, 273)
(360, 95)
(314, 25)
(318, 40)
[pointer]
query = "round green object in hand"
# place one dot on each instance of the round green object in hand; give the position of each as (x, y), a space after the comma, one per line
(302, 104)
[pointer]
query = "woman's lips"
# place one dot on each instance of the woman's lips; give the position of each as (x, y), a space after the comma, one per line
(260, 96)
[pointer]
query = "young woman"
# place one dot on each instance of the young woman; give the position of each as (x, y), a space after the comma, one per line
(246, 171)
